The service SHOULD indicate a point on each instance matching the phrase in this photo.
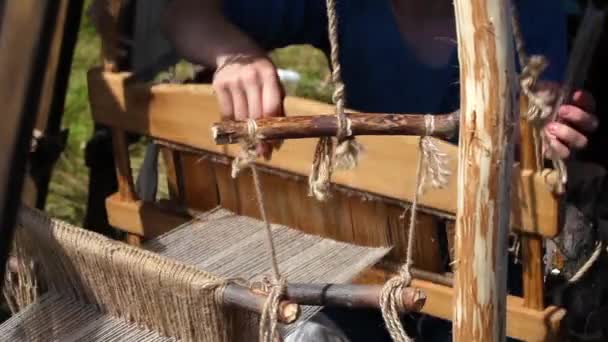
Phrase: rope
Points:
(540, 106)
(431, 168)
(269, 319)
(347, 151)
(599, 248)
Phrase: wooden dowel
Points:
(351, 296)
(435, 278)
(243, 297)
(298, 127)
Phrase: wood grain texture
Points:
(386, 168)
(531, 245)
(487, 75)
(300, 127)
(141, 218)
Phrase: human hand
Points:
(248, 87)
(577, 120)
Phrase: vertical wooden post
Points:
(106, 15)
(485, 51)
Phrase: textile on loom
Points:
(104, 290)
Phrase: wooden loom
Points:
(182, 115)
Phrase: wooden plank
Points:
(522, 323)
(141, 218)
(151, 110)
(24, 48)
(486, 152)
(344, 218)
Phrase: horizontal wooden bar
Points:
(141, 218)
(351, 296)
(522, 323)
(184, 113)
(300, 127)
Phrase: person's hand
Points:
(249, 87)
(577, 120)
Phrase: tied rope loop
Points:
(248, 152)
(432, 168)
(269, 319)
(540, 104)
(346, 154)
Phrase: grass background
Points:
(68, 189)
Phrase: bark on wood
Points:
(351, 296)
(486, 57)
(298, 127)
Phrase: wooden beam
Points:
(151, 110)
(141, 218)
(531, 245)
(300, 127)
(522, 323)
(24, 48)
(352, 296)
(487, 97)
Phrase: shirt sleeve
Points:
(278, 23)
(543, 25)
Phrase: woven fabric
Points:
(103, 290)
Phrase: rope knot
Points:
(269, 319)
(248, 152)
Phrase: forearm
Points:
(201, 34)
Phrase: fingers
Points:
(566, 136)
(584, 100)
(558, 149)
(579, 118)
(272, 95)
(249, 89)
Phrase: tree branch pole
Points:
(298, 127)
(331, 295)
(488, 105)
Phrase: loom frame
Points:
(130, 106)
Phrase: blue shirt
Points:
(380, 72)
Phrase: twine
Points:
(347, 151)
(269, 319)
(431, 167)
(540, 105)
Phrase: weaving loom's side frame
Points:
(23, 60)
(150, 110)
(487, 104)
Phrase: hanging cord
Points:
(432, 168)
(269, 331)
(346, 154)
(540, 106)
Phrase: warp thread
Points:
(269, 331)
(432, 169)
